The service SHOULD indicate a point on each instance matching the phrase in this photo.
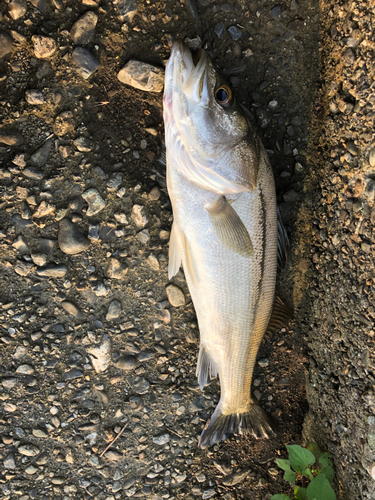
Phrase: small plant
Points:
(310, 467)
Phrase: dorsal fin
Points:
(282, 242)
(280, 317)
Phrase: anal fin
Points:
(280, 317)
(175, 250)
(206, 368)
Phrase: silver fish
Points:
(224, 233)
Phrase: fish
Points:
(225, 234)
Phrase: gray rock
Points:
(40, 5)
(153, 262)
(82, 31)
(84, 62)
(235, 32)
(219, 29)
(72, 309)
(83, 144)
(115, 269)
(64, 124)
(40, 156)
(9, 382)
(115, 181)
(95, 201)
(162, 439)
(33, 173)
(11, 138)
(175, 296)
(39, 259)
(29, 450)
(276, 12)
(114, 310)
(23, 268)
(20, 222)
(52, 270)
(113, 455)
(25, 369)
(73, 374)
(20, 244)
(6, 43)
(34, 97)
(142, 76)
(70, 239)
(225, 7)
(235, 478)
(348, 57)
(129, 483)
(145, 355)
(17, 9)
(9, 461)
(352, 148)
(138, 216)
(208, 494)
(139, 385)
(44, 47)
(263, 362)
(143, 236)
(126, 9)
(126, 362)
(290, 196)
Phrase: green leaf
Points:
(307, 472)
(299, 457)
(320, 489)
(315, 450)
(289, 475)
(280, 497)
(300, 493)
(326, 466)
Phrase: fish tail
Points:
(253, 422)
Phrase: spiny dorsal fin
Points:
(229, 228)
(282, 242)
(280, 317)
(206, 368)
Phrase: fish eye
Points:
(224, 95)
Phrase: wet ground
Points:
(91, 348)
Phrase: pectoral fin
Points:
(229, 228)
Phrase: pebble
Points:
(143, 236)
(138, 216)
(9, 382)
(126, 362)
(33, 173)
(142, 76)
(94, 200)
(127, 9)
(263, 362)
(20, 245)
(44, 47)
(64, 124)
(113, 456)
(114, 310)
(9, 461)
(154, 194)
(276, 12)
(43, 210)
(114, 182)
(28, 450)
(115, 269)
(162, 439)
(235, 32)
(23, 268)
(219, 29)
(139, 385)
(82, 31)
(39, 259)
(73, 374)
(153, 262)
(72, 309)
(71, 240)
(11, 138)
(34, 97)
(352, 148)
(53, 270)
(100, 356)
(208, 494)
(164, 235)
(17, 9)
(235, 478)
(84, 63)
(6, 43)
(175, 296)
(40, 156)
(372, 158)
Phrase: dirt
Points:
(72, 416)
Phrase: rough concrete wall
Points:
(335, 271)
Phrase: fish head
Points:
(201, 111)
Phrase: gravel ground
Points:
(95, 343)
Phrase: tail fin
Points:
(254, 422)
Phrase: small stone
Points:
(64, 124)
(235, 478)
(11, 138)
(154, 194)
(348, 57)
(115, 269)
(82, 31)
(139, 385)
(115, 181)
(84, 63)
(126, 362)
(352, 148)
(290, 196)
(43, 210)
(19, 160)
(33, 173)
(263, 362)
(95, 201)
(29, 450)
(100, 356)
(138, 216)
(162, 439)
(71, 240)
(40, 156)
(113, 456)
(53, 271)
(9, 382)
(143, 236)
(65, 151)
(175, 296)
(194, 44)
(39, 259)
(34, 97)
(219, 29)
(73, 374)
(276, 12)
(126, 9)
(72, 309)
(6, 43)
(142, 76)
(208, 494)
(235, 32)
(23, 268)
(44, 47)
(83, 144)
(153, 262)
(164, 235)
(366, 247)
(372, 158)
(17, 9)
(114, 310)
(9, 461)
(39, 433)
(20, 245)
(121, 218)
